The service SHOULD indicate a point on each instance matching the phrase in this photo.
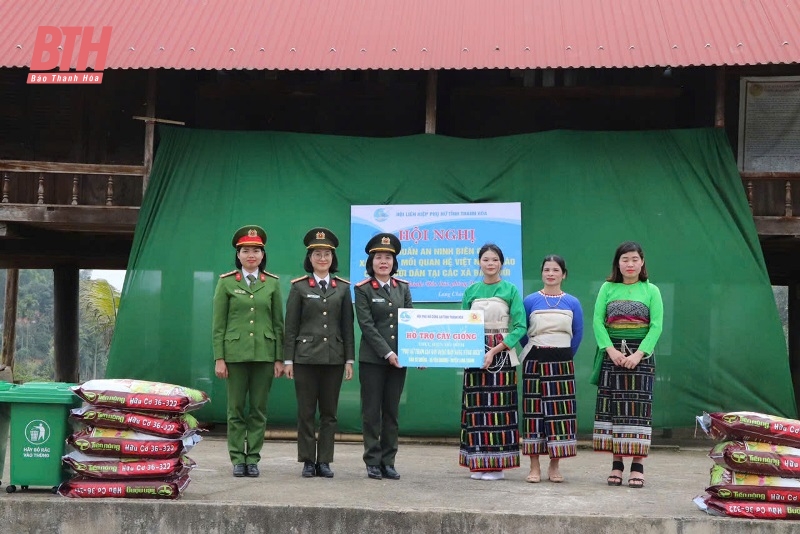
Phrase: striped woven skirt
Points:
(489, 420)
(623, 415)
(549, 423)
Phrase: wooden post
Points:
(719, 111)
(6, 187)
(110, 191)
(10, 317)
(40, 190)
(430, 102)
(65, 333)
(75, 187)
(149, 129)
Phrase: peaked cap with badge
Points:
(249, 236)
(320, 237)
(383, 242)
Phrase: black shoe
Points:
(373, 471)
(388, 471)
(252, 470)
(238, 470)
(324, 470)
(309, 470)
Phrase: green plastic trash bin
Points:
(4, 421)
(39, 413)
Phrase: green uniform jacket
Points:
(377, 316)
(319, 326)
(247, 322)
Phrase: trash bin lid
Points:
(39, 393)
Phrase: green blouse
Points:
(628, 320)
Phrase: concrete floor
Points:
(434, 495)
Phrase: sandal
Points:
(533, 478)
(634, 481)
(557, 478)
(614, 480)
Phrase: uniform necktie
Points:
(251, 280)
(387, 288)
(323, 285)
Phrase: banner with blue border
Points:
(440, 338)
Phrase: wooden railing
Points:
(750, 179)
(43, 169)
(772, 201)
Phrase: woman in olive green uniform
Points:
(248, 345)
(319, 348)
(382, 379)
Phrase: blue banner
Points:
(440, 338)
(440, 243)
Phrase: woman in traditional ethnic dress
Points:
(555, 330)
(489, 420)
(628, 318)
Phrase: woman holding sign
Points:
(382, 378)
(489, 421)
(555, 330)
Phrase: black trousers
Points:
(316, 386)
(381, 388)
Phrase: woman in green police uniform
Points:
(319, 348)
(248, 345)
(381, 376)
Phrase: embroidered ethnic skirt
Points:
(489, 420)
(623, 415)
(549, 422)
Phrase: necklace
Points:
(545, 295)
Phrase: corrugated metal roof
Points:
(416, 34)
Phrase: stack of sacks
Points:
(135, 440)
(757, 468)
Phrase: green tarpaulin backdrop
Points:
(582, 193)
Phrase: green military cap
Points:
(384, 242)
(249, 236)
(320, 237)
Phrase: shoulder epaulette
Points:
(229, 274)
(342, 279)
(364, 281)
(401, 280)
(299, 278)
(275, 276)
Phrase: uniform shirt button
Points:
(251, 322)
(391, 315)
(251, 296)
(391, 326)
(251, 334)
(324, 300)
(390, 304)
(304, 341)
(324, 313)
(324, 339)
(392, 337)
(324, 326)
(252, 309)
